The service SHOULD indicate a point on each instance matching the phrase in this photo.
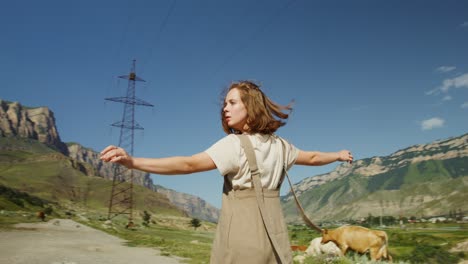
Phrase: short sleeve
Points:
(225, 154)
(291, 153)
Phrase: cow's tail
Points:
(383, 251)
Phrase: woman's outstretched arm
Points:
(316, 158)
(166, 166)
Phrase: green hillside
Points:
(415, 173)
(28, 166)
(425, 188)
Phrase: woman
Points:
(251, 228)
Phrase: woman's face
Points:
(235, 113)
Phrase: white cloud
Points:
(447, 98)
(432, 123)
(433, 91)
(464, 105)
(457, 82)
(464, 24)
(446, 69)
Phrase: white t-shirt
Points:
(230, 159)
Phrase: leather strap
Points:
(249, 153)
(301, 210)
(298, 204)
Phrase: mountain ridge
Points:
(18, 121)
(400, 183)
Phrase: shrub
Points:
(423, 253)
(17, 201)
(19, 198)
(195, 223)
(146, 218)
(48, 210)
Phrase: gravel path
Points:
(63, 241)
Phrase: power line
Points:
(255, 34)
(120, 45)
(158, 35)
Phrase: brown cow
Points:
(359, 239)
(41, 215)
(298, 248)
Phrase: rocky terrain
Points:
(438, 150)
(39, 124)
(193, 205)
(35, 123)
(105, 170)
(425, 179)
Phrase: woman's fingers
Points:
(116, 159)
(116, 155)
(110, 153)
(107, 149)
(346, 155)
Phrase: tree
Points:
(460, 214)
(146, 218)
(195, 223)
(389, 220)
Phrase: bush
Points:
(48, 210)
(19, 198)
(17, 201)
(195, 223)
(423, 253)
(146, 218)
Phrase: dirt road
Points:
(63, 241)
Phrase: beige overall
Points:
(251, 228)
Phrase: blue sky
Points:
(369, 76)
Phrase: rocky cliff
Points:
(194, 206)
(191, 204)
(35, 123)
(39, 124)
(105, 170)
(438, 150)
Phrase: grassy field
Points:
(428, 243)
(416, 243)
(172, 235)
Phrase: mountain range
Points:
(25, 129)
(421, 180)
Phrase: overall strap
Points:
(252, 161)
(299, 206)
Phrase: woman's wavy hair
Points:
(261, 110)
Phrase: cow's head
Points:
(325, 236)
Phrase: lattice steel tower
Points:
(121, 199)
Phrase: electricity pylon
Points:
(121, 199)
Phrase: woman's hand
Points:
(117, 155)
(345, 155)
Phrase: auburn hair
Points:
(263, 115)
